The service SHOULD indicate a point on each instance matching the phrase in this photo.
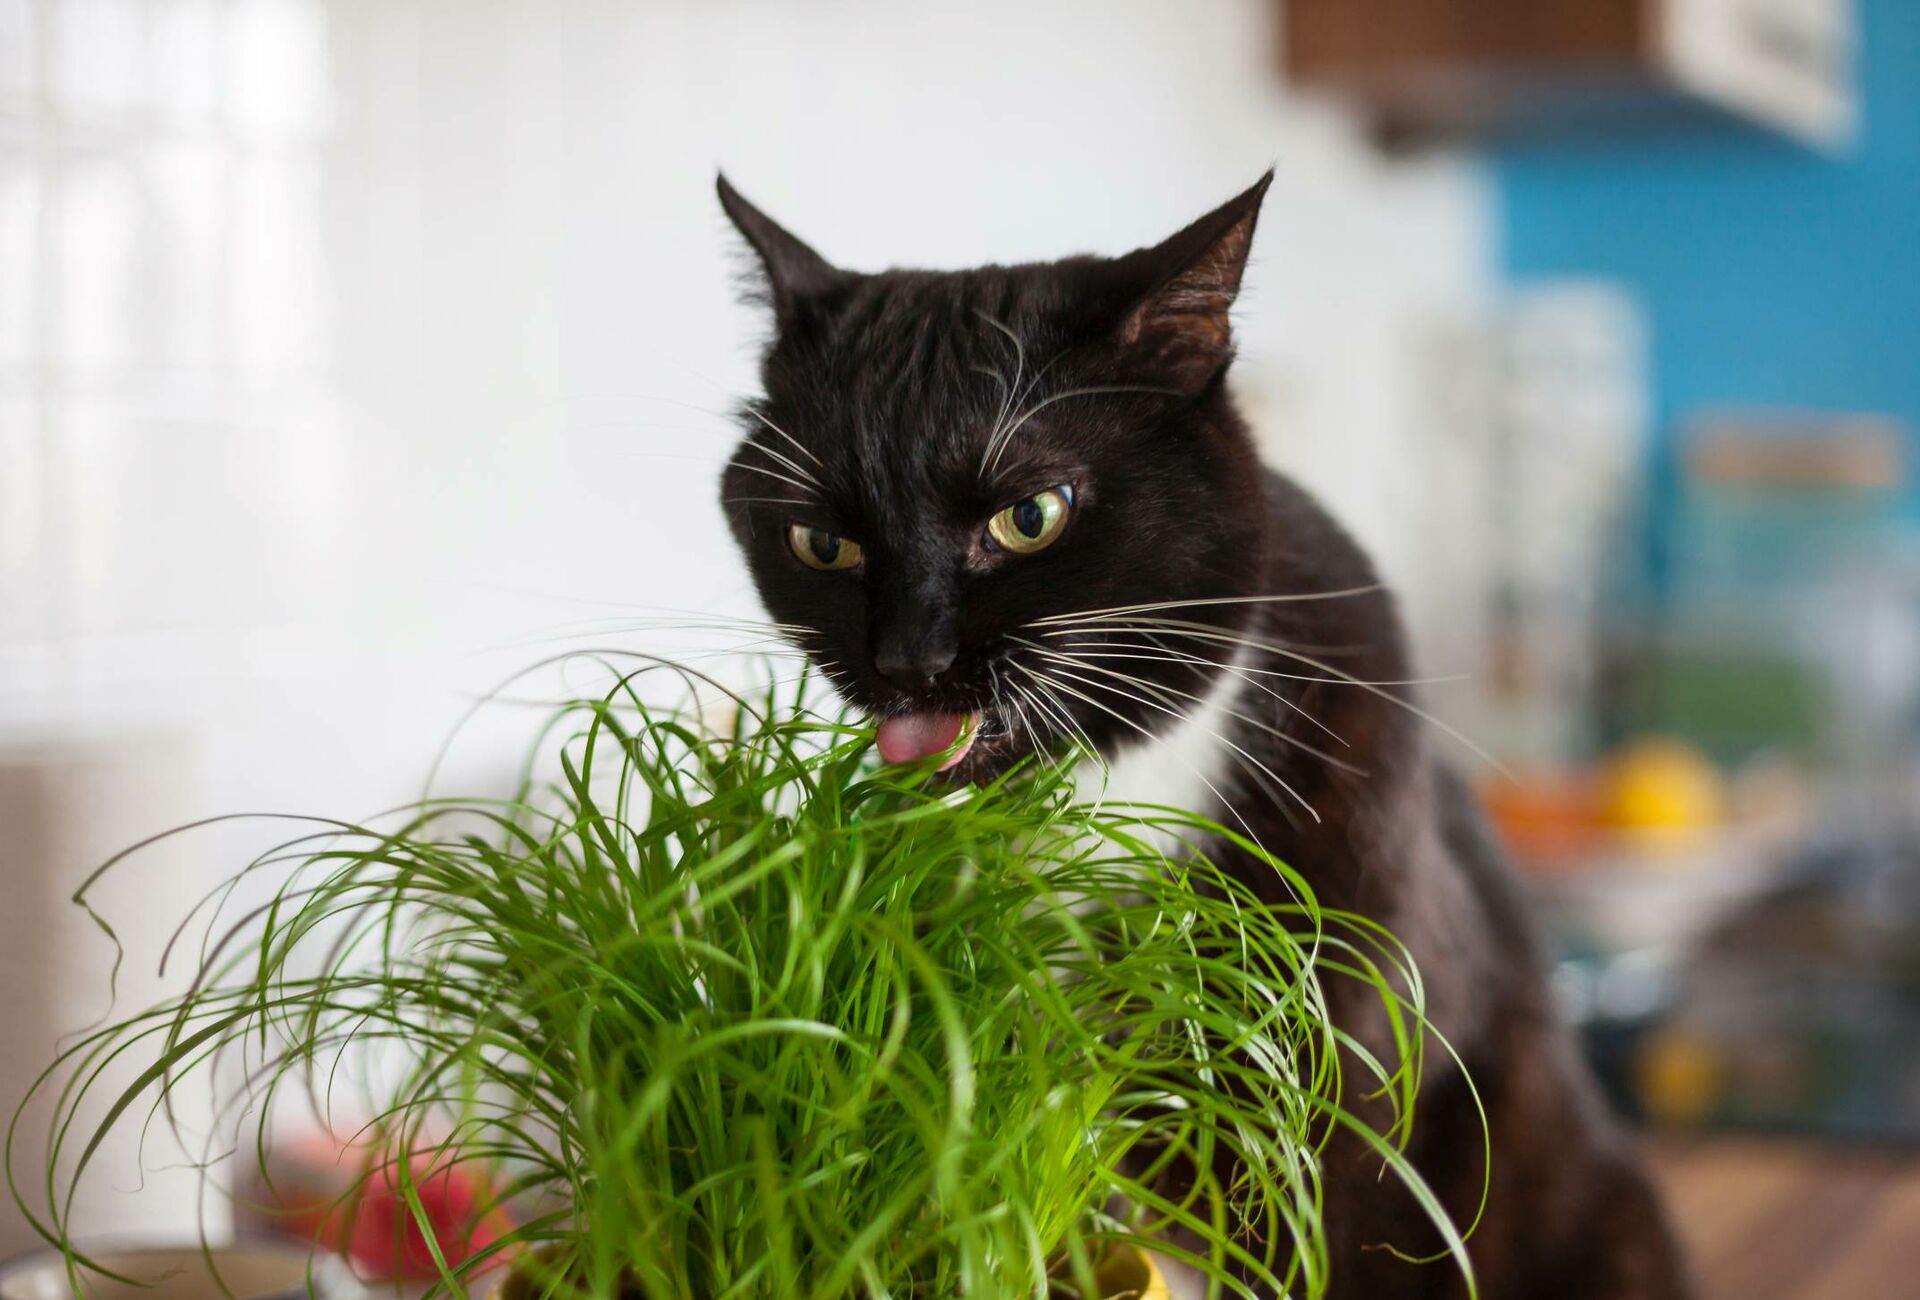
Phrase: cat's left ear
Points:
(1178, 331)
(794, 271)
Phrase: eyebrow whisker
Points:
(998, 446)
(802, 447)
(788, 461)
(784, 478)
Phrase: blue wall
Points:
(1769, 274)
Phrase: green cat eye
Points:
(1032, 525)
(819, 549)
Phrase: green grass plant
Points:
(724, 1008)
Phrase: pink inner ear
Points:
(1183, 328)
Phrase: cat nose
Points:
(915, 668)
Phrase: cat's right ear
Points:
(1178, 329)
(793, 271)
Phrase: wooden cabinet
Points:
(1424, 68)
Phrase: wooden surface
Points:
(1338, 38)
(1768, 1220)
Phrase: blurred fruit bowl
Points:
(1625, 898)
(1651, 847)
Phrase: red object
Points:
(386, 1241)
(333, 1196)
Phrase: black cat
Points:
(1017, 504)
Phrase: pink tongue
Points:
(910, 737)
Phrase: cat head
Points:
(955, 477)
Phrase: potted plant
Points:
(730, 1010)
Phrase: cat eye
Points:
(819, 549)
(1032, 525)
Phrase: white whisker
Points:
(1159, 688)
(802, 447)
(1086, 615)
(788, 461)
(1049, 684)
(1206, 632)
(1251, 676)
(1007, 397)
(1022, 703)
(999, 443)
(1069, 730)
(788, 479)
(768, 501)
(1175, 712)
(1071, 727)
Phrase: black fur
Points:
(884, 395)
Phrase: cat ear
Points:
(1178, 330)
(793, 271)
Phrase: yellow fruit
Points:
(1663, 789)
(1679, 1076)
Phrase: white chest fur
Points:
(1185, 766)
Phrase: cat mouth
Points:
(911, 737)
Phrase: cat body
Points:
(1013, 510)
(1399, 838)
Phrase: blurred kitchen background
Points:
(353, 351)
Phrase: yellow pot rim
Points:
(1157, 1288)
